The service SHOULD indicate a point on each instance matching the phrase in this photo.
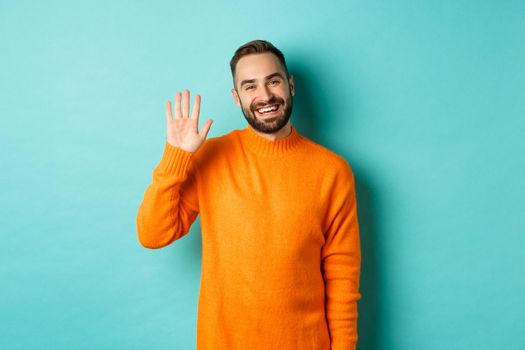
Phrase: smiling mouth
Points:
(268, 110)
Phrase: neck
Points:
(279, 134)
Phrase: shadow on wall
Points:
(308, 118)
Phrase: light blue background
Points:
(425, 99)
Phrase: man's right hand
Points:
(182, 130)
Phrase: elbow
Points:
(152, 240)
(157, 236)
(149, 243)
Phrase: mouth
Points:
(269, 111)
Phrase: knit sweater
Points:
(280, 239)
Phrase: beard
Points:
(269, 125)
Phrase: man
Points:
(280, 237)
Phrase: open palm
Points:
(182, 129)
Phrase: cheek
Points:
(284, 91)
(247, 106)
(249, 103)
(242, 101)
(284, 95)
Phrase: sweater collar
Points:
(261, 145)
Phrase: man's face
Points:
(263, 92)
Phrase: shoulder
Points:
(330, 161)
(213, 148)
(217, 141)
(337, 178)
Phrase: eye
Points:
(249, 87)
(274, 82)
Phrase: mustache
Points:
(273, 100)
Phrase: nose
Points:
(265, 93)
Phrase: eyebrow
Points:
(268, 77)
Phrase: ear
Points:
(292, 84)
(236, 97)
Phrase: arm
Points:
(170, 203)
(341, 264)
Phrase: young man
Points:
(280, 236)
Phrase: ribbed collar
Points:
(261, 145)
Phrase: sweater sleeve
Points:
(341, 263)
(170, 203)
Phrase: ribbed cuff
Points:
(175, 161)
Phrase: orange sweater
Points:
(280, 239)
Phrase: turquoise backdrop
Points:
(425, 99)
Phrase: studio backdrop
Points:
(424, 99)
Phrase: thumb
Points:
(206, 128)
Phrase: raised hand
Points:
(182, 130)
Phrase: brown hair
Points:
(256, 46)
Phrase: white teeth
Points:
(267, 109)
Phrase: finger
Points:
(168, 111)
(177, 106)
(186, 104)
(196, 108)
(206, 128)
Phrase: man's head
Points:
(261, 79)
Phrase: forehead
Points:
(258, 66)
